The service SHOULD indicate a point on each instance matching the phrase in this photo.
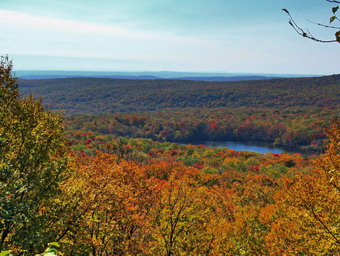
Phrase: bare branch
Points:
(323, 25)
(305, 32)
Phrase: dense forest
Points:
(103, 95)
(292, 127)
(285, 112)
(119, 166)
(94, 188)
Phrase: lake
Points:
(259, 147)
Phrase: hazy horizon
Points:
(160, 73)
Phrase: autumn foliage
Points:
(95, 193)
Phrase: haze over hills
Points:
(195, 76)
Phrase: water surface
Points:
(259, 147)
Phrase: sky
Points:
(239, 36)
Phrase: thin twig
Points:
(304, 33)
(323, 25)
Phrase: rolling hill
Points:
(105, 95)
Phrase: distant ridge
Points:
(37, 77)
(149, 75)
(225, 79)
(106, 95)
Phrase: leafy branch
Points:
(306, 33)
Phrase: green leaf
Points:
(332, 19)
(335, 9)
(337, 36)
(50, 251)
(5, 253)
(54, 244)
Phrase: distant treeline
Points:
(102, 95)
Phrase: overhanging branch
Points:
(307, 34)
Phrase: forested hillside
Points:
(286, 112)
(98, 162)
(89, 190)
(292, 127)
(99, 95)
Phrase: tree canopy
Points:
(32, 163)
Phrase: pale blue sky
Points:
(247, 36)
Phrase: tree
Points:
(182, 218)
(32, 164)
(305, 217)
(107, 208)
(330, 161)
(306, 33)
